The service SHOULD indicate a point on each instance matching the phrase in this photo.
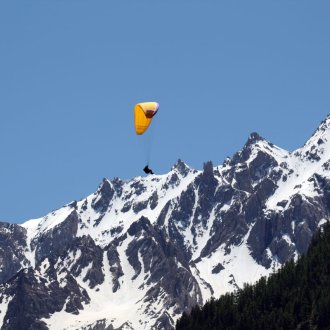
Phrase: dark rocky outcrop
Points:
(103, 197)
(12, 248)
(57, 240)
(35, 297)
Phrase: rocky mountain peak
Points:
(105, 186)
(181, 167)
(318, 146)
(321, 134)
(254, 145)
(253, 138)
(208, 169)
(325, 124)
(103, 197)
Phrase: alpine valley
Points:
(136, 254)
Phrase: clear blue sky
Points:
(71, 72)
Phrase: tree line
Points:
(297, 296)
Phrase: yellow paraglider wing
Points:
(143, 114)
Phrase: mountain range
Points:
(136, 254)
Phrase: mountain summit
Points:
(136, 254)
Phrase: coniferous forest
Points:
(295, 297)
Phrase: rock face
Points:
(12, 248)
(136, 254)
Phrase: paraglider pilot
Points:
(147, 170)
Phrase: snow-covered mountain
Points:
(136, 254)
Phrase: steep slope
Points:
(138, 253)
(295, 297)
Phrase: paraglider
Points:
(147, 170)
(143, 114)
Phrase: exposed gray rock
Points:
(12, 247)
(115, 266)
(91, 256)
(182, 168)
(35, 298)
(217, 269)
(57, 240)
(103, 197)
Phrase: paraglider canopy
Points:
(143, 114)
